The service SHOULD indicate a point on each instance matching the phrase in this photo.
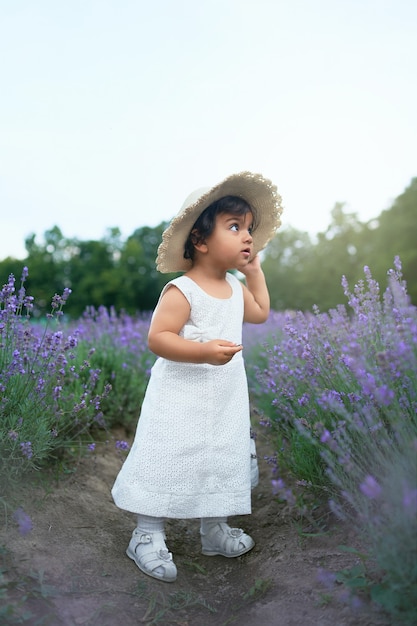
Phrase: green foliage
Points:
(397, 597)
(100, 273)
(303, 460)
(395, 233)
(141, 282)
(302, 273)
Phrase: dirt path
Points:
(74, 571)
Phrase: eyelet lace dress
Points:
(191, 453)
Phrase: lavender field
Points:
(335, 393)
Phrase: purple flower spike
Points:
(371, 488)
(326, 436)
(410, 500)
(26, 449)
(23, 521)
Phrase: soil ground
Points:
(71, 569)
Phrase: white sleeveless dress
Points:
(191, 453)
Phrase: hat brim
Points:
(259, 193)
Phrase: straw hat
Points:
(259, 193)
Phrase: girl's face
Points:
(231, 244)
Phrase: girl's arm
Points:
(255, 293)
(168, 319)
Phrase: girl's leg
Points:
(218, 538)
(148, 524)
(148, 549)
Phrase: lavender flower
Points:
(326, 578)
(371, 488)
(26, 449)
(122, 445)
(278, 486)
(410, 500)
(23, 521)
(326, 436)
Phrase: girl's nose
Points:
(248, 235)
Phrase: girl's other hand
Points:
(219, 351)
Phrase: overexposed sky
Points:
(113, 111)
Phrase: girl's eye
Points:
(234, 227)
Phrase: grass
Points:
(258, 589)
(24, 599)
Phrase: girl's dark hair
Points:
(204, 225)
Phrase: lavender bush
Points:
(117, 346)
(340, 393)
(43, 405)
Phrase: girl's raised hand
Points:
(252, 267)
(219, 351)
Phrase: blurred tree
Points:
(11, 266)
(336, 254)
(285, 260)
(91, 274)
(46, 267)
(301, 273)
(395, 233)
(141, 281)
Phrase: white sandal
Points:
(226, 541)
(152, 560)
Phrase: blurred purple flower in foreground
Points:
(23, 521)
(370, 488)
(326, 578)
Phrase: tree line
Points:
(301, 270)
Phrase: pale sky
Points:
(113, 111)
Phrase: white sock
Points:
(152, 526)
(148, 524)
(207, 523)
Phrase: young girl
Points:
(191, 453)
